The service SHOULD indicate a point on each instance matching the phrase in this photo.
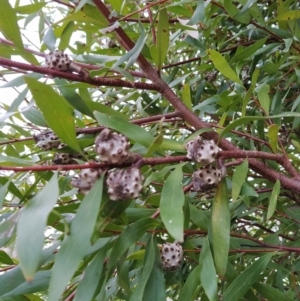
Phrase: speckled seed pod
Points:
(86, 179)
(124, 184)
(206, 178)
(65, 158)
(171, 256)
(202, 151)
(46, 140)
(58, 60)
(112, 147)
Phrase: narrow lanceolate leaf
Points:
(171, 203)
(138, 293)
(290, 15)
(248, 51)
(8, 24)
(186, 96)
(220, 227)
(271, 293)
(132, 131)
(162, 41)
(238, 179)
(14, 278)
(190, 286)
(132, 55)
(273, 199)
(3, 191)
(199, 14)
(242, 283)
(221, 65)
(10, 29)
(264, 98)
(91, 276)
(75, 246)
(273, 136)
(56, 110)
(155, 288)
(31, 227)
(247, 119)
(208, 272)
(129, 236)
(38, 284)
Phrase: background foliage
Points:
(160, 71)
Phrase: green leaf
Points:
(10, 29)
(171, 204)
(75, 246)
(112, 210)
(155, 288)
(8, 160)
(14, 277)
(132, 131)
(129, 236)
(3, 191)
(132, 55)
(244, 281)
(248, 51)
(220, 227)
(49, 39)
(72, 97)
(273, 199)
(5, 259)
(221, 65)
(162, 39)
(56, 110)
(190, 286)
(290, 15)
(29, 9)
(186, 96)
(248, 119)
(30, 229)
(199, 14)
(35, 116)
(273, 131)
(98, 107)
(7, 228)
(66, 36)
(271, 293)
(38, 284)
(264, 98)
(198, 217)
(138, 293)
(91, 276)
(208, 272)
(238, 179)
(233, 12)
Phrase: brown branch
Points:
(146, 161)
(97, 81)
(281, 159)
(83, 65)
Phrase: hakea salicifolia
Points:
(202, 151)
(46, 140)
(60, 61)
(112, 147)
(66, 158)
(207, 177)
(205, 152)
(171, 255)
(122, 184)
(86, 179)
